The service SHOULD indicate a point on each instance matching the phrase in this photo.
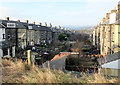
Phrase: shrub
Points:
(27, 67)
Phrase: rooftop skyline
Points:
(60, 12)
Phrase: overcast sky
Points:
(57, 12)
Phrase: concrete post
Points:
(1, 53)
(28, 55)
(8, 52)
(33, 60)
(13, 51)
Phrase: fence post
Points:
(105, 66)
(28, 55)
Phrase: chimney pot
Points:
(65, 28)
(113, 11)
(50, 25)
(26, 21)
(40, 24)
(55, 27)
(33, 22)
(18, 20)
(59, 27)
(103, 20)
(7, 18)
(45, 24)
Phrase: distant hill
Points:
(78, 27)
(81, 29)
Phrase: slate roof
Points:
(117, 22)
(68, 31)
(55, 29)
(0, 26)
(110, 58)
(33, 26)
(25, 24)
(43, 28)
(18, 24)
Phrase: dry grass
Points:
(16, 72)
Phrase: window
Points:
(30, 27)
(9, 37)
(112, 52)
(5, 52)
(19, 35)
(28, 36)
(19, 44)
(3, 36)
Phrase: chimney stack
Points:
(40, 24)
(103, 20)
(33, 22)
(55, 27)
(59, 27)
(50, 25)
(114, 11)
(107, 16)
(63, 28)
(45, 24)
(26, 21)
(7, 18)
(18, 20)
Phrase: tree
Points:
(77, 47)
(62, 37)
(68, 35)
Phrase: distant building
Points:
(21, 36)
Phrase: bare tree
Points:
(77, 47)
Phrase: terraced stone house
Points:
(45, 35)
(30, 34)
(107, 33)
(8, 38)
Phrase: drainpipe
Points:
(16, 32)
(8, 52)
(27, 34)
(110, 39)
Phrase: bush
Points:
(15, 73)
(62, 37)
(28, 67)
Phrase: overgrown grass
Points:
(19, 72)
